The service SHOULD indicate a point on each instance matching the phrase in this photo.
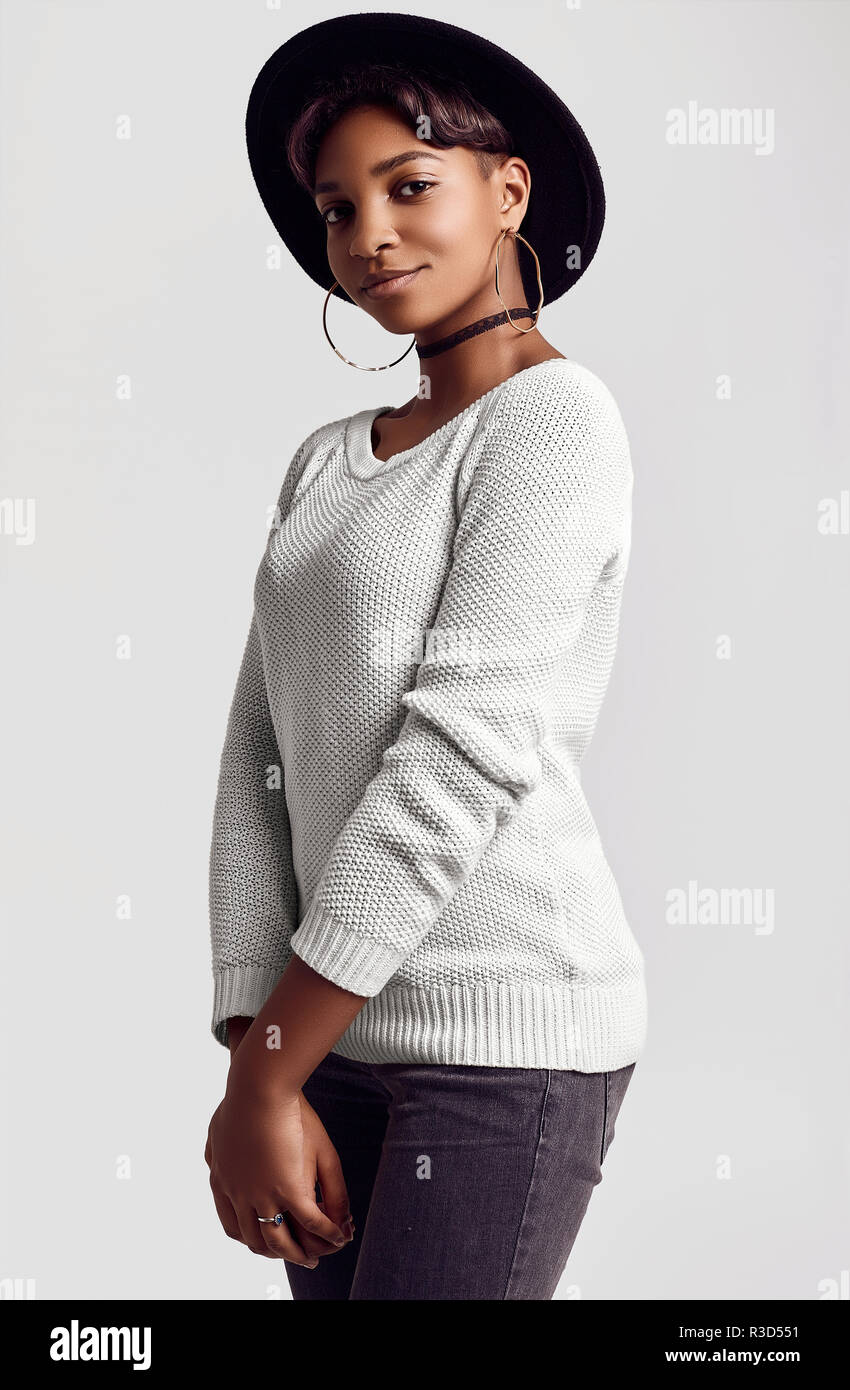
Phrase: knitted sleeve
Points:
(547, 509)
(252, 893)
(253, 896)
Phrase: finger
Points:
(318, 1240)
(275, 1242)
(312, 1245)
(226, 1215)
(335, 1201)
(308, 1240)
(308, 1213)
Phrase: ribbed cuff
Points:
(241, 989)
(361, 964)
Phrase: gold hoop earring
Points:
(539, 281)
(348, 359)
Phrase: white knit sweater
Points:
(399, 799)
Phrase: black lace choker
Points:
(471, 331)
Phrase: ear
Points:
(513, 182)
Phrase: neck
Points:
(472, 330)
(450, 379)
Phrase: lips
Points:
(393, 284)
(386, 274)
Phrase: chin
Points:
(398, 318)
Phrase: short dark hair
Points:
(455, 116)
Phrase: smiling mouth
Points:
(386, 287)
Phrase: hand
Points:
(260, 1163)
(322, 1161)
(326, 1161)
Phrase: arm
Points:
(236, 1029)
(312, 1014)
(265, 1152)
(252, 888)
(253, 898)
(266, 1149)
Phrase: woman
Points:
(431, 996)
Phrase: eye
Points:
(415, 183)
(419, 185)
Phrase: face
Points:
(391, 201)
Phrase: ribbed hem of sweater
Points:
(500, 1025)
(491, 1025)
(494, 1025)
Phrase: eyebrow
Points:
(383, 167)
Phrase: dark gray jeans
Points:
(465, 1182)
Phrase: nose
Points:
(371, 231)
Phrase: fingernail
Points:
(348, 1227)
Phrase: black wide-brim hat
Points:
(566, 208)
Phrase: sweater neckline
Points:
(361, 462)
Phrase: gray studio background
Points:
(159, 371)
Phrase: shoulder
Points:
(558, 424)
(320, 440)
(311, 452)
(554, 399)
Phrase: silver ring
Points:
(278, 1219)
